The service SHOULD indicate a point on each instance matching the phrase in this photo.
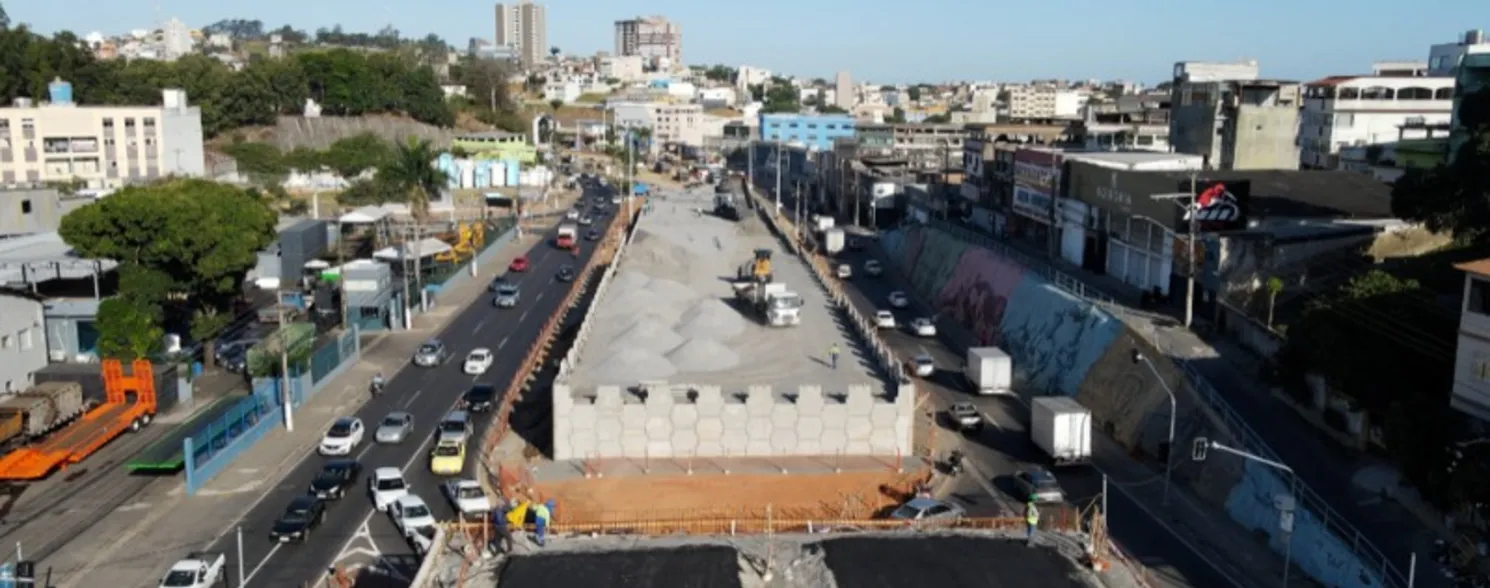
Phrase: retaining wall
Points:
(1065, 345)
(292, 132)
(704, 421)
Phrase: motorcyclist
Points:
(378, 382)
(954, 461)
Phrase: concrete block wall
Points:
(677, 421)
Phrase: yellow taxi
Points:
(448, 458)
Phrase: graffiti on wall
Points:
(1055, 337)
(978, 291)
(1317, 551)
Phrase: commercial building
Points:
(1237, 124)
(1044, 103)
(1444, 58)
(814, 132)
(497, 145)
(1471, 394)
(23, 340)
(1130, 122)
(103, 146)
(1352, 111)
(623, 68)
(924, 146)
(28, 211)
(1471, 77)
(523, 27)
(656, 40)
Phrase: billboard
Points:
(1217, 206)
(883, 194)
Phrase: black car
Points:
(301, 516)
(856, 244)
(480, 397)
(335, 477)
(234, 360)
(566, 273)
(593, 235)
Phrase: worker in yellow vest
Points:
(1031, 520)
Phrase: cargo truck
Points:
(833, 240)
(772, 302)
(989, 371)
(1062, 428)
(40, 410)
(568, 234)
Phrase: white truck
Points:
(989, 371)
(199, 569)
(1062, 427)
(777, 306)
(568, 235)
(822, 222)
(833, 240)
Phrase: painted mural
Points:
(1063, 345)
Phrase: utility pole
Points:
(1187, 203)
(403, 257)
(284, 368)
(778, 175)
(630, 175)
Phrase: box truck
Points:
(833, 240)
(1062, 427)
(990, 371)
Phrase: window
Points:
(129, 122)
(4, 342)
(25, 337)
(1478, 300)
(25, 207)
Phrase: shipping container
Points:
(40, 409)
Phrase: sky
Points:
(892, 42)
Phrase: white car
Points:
(467, 497)
(386, 486)
(478, 361)
(344, 435)
(898, 299)
(845, 271)
(923, 365)
(873, 267)
(572, 215)
(923, 327)
(410, 514)
(884, 319)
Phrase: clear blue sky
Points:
(883, 41)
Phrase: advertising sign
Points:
(1032, 203)
(1218, 205)
(1035, 176)
(883, 194)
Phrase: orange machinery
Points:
(118, 413)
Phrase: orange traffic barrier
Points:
(129, 403)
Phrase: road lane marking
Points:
(522, 316)
(989, 419)
(254, 572)
(413, 397)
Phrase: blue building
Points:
(806, 130)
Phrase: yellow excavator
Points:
(758, 269)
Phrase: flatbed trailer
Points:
(166, 455)
(129, 404)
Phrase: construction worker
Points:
(833, 356)
(1031, 520)
(540, 522)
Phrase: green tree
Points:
(205, 236)
(353, 155)
(720, 73)
(938, 119)
(831, 109)
(1454, 196)
(914, 93)
(371, 191)
(896, 116)
(782, 97)
(128, 329)
(413, 172)
(554, 105)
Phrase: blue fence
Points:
(215, 445)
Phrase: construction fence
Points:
(211, 448)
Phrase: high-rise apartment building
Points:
(843, 91)
(524, 28)
(656, 40)
(1224, 113)
(1044, 103)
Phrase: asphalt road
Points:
(427, 393)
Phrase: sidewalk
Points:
(1335, 473)
(131, 546)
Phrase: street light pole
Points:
(1285, 510)
(1139, 357)
(1193, 231)
(778, 175)
(284, 369)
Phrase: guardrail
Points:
(1336, 523)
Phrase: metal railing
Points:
(1336, 523)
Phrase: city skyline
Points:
(968, 48)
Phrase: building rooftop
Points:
(669, 314)
(1130, 158)
(45, 256)
(1478, 267)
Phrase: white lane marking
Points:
(524, 315)
(990, 420)
(503, 342)
(481, 323)
(540, 297)
(412, 397)
(365, 449)
(268, 556)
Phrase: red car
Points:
(519, 265)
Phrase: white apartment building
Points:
(658, 41)
(626, 68)
(105, 146)
(747, 76)
(1044, 103)
(175, 40)
(524, 28)
(717, 97)
(1097, 136)
(23, 342)
(1345, 111)
(563, 91)
(682, 124)
(843, 90)
(1206, 71)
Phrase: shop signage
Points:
(1035, 176)
(1164, 198)
(1032, 203)
(1218, 205)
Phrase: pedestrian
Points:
(833, 356)
(540, 522)
(501, 541)
(1031, 520)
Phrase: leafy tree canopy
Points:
(202, 234)
(782, 98)
(831, 109)
(720, 73)
(938, 119)
(1454, 196)
(411, 172)
(128, 329)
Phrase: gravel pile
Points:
(656, 326)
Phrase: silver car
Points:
(928, 509)
(1040, 486)
(394, 428)
(431, 353)
(508, 296)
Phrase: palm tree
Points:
(412, 171)
(555, 104)
(554, 53)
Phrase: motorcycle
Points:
(954, 463)
(376, 387)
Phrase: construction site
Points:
(710, 339)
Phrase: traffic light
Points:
(1198, 451)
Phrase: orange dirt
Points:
(849, 495)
